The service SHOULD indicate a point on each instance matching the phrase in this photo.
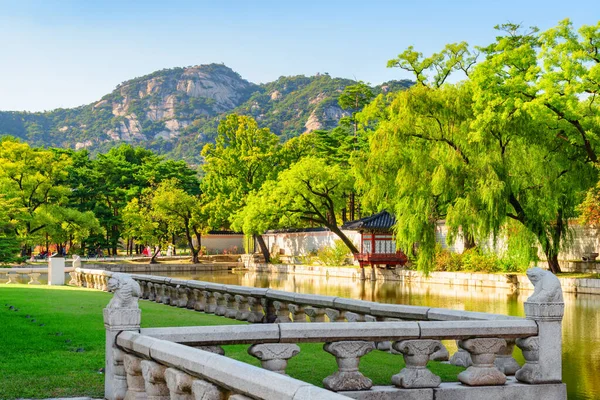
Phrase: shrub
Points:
(335, 255)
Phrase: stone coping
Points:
(375, 309)
(319, 332)
(225, 372)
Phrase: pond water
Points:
(581, 324)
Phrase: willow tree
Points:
(553, 77)
(243, 157)
(485, 150)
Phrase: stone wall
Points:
(500, 281)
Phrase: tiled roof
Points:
(381, 221)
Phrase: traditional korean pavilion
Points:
(378, 245)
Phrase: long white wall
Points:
(302, 243)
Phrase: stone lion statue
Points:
(126, 291)
(546, 286)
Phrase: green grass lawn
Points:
(53, 346)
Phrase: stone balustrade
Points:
(13, 275)
(190, 362)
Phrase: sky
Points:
(68, 53)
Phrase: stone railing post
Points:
(505, 361)
(546, 307)
(347, 355)
(416, 355)
(274, 356)
(121, 314)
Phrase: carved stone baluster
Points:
(210, 301)
(200, 300)
(144, 288)
(505, 361)
(283, 312)
(174, 296)
(256, 310)
(154, 380)
(89, 281)
(348, 355)
(416, 355)
(355, 317)
(165, 297)
(33, 278)
(531, 371)
(315, 314)
(151, 291)
(104, 283)
(274, 356)
(298, 312)
(221, 303)
(335, 315)
(73, 280)
(183, 296)
(158, 293)
(203, 390)
(192, 295)
(243, 308)
(231, 305)
(270, 311)
(179, 384)
(483, 372)
(136, 389)
(461, 358)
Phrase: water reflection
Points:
(581, 324)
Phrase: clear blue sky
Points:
(68, 53)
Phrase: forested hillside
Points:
(177, 111)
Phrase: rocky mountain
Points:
(176, 111)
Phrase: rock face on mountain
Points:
(177, 110)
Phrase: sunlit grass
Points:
(53, 343)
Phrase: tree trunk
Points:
(553, 263)
(335, 229)
(469, 240)
(155, 254)
(263, 248)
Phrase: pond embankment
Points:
(510, 281)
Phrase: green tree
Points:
(309, 193)
(32, 177)
(182, 211)
(243, 157)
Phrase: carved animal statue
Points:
(126, 291)
(546, 286)
(76, 261)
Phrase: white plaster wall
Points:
(302, 243)
(219, 243)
